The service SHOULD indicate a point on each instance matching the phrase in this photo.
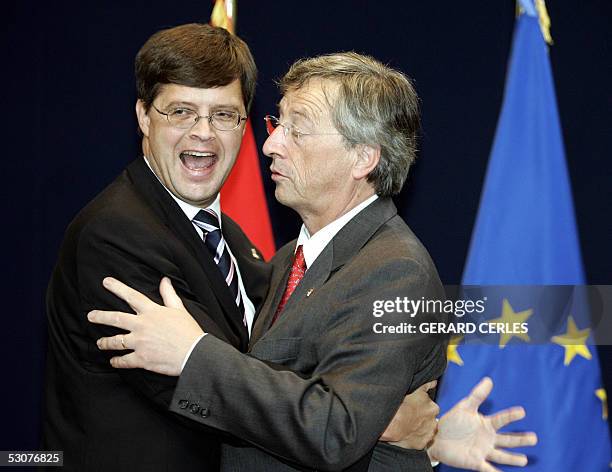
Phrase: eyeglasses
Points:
(273, 122)
(184, 118)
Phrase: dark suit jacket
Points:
(347, 381)
(106, 419)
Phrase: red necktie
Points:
(297, 272)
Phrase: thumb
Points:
(479, 394)
(428, 386)
(168, 294)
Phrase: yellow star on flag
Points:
(601, 394)
(508, 318)
(452, 354)
(574, 342)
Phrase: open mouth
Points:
(198, 161)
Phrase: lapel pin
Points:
(310, 290)
(254, 253)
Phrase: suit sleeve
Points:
(132, 253)
(335, 414)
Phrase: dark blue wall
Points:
(69, 127)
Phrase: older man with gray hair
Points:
(320, 383)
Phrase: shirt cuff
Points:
(191, 350)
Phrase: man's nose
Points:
(274, 142)
(203, 129)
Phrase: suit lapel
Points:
(281, 265)
(171, 214)
(254, 270)
(314, 277)
(358, 231)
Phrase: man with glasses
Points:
(341, 148)
(195, 86)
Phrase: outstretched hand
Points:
(159, 335)
(469, 440)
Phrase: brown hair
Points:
(194, 55)
(375, 105)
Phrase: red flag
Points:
(243, 197)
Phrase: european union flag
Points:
(525, 235)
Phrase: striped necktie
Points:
(208, 221)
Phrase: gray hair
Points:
(375, 105)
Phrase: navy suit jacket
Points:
(111, 419)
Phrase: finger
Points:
(119, 342)
(486, 467)
(516, 439)
(118, 319)
(504, 417)
(168, 294)
(129, 361)
(508, 458)
(135, 299)
(479, 394)
(429, 385)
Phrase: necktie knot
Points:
(299, 262)
(207, 220)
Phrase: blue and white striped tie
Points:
(208, 221)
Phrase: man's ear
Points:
(368, 156)
(144, 120)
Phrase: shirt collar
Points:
(190, 210)
(314, 245)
